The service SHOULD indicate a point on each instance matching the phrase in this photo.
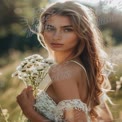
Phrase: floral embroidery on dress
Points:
(46, 106)
(68, 104)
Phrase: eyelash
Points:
(49, 28)
(68, 30)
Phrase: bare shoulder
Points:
(65, 79)
(66, 71)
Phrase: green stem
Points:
(45, 74)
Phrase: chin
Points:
(56, 49)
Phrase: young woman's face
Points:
(59, 34)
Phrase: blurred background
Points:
(17, 42)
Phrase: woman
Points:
(77, 77)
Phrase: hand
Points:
(26, 101)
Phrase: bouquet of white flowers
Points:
(32, 70)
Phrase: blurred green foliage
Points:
(15, 15)
(14, 20)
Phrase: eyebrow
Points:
(65, 26)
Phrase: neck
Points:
(61, 57)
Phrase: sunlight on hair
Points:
(107, 4)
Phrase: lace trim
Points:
(47, 106)
(68, 104)
(46, 95)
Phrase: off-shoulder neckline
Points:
(61, 100)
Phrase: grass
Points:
(11, 87)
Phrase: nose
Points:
(57, 35)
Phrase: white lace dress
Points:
(47, 107)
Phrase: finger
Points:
(24, 91)
(29, 87)
(22, 95)
(30, 93)
(19, 99)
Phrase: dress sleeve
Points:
(69, 104)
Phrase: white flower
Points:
(38, 60)
(44, 65)
(19, 68)
(39, 68)
(25, 76)
(32, 70)
(14, 74)
(33, 60)
(22, 75)
(28, 66)
(27, 58)
(37, 56)
(49, 61)
(35, 72)
(25, 62)
(23, 70)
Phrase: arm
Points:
(66, 89)
(26, 102)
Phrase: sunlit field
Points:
(18, 42)
(11, 87)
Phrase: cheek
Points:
(47, 37)
(71, 39)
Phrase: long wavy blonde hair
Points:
(92, 56)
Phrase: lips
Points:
(56, 44)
